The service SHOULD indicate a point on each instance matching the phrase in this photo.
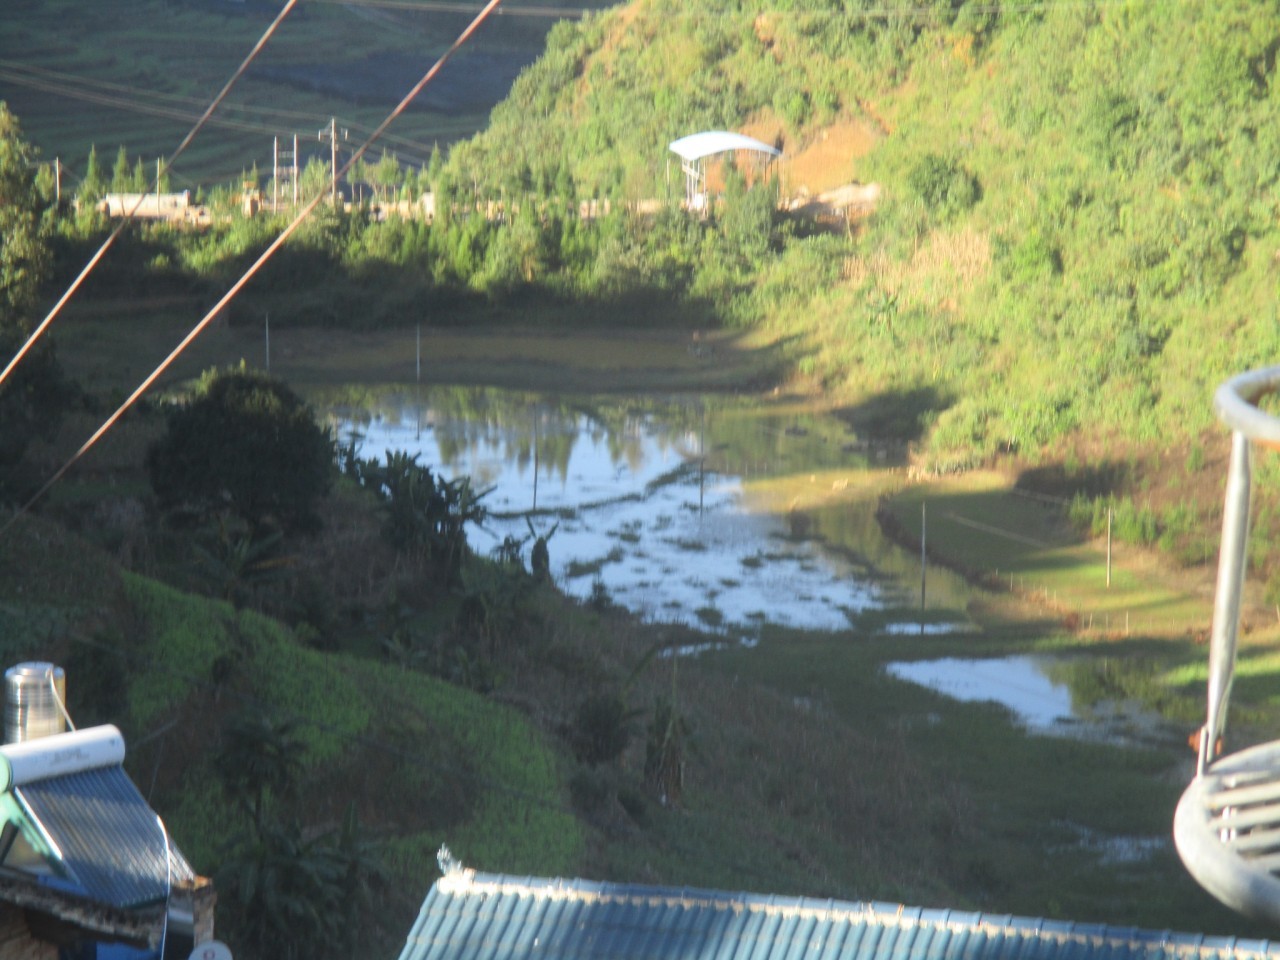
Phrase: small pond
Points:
(648, 503)
(656, 505)
(1036, 692)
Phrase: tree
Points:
(34, 394)
(259, 762)
(92, 186)
(943, 185)
(121, 176)
(245, 444)
(435, 166)
(387, 174)
(357, 173)
(425, 513)
(24, 249)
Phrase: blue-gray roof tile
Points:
(471, 916)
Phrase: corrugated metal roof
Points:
(471, 916)
(110, 843)
(699, 145)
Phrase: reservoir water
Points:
(727, 515)
(658, 504)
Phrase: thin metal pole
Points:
(702, 460)
(419, 351)
(1226, 607)
(267, 327)
(923, 558)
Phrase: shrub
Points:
(246, 444)
(602, 728)
(943, 186)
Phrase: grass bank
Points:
(109, 347)
(1022, 543)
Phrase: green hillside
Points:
(1077, 231)
(217, 704)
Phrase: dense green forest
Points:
(1079, 207)
(1086, 189)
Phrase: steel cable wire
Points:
(155, 185)
(257, 265)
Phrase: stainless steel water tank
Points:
(30, 709)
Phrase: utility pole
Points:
(284, 165)
(332, 136)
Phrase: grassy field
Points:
(109, 347)
(79, 74)
(1013, 541)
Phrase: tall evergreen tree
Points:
(31, 397)
(92, 186)
(121, 175)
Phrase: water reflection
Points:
(1028, 687)
(645, 499)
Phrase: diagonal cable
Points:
(155, 186)
(288, 231)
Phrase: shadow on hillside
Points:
(896, 415)
(1067, 480)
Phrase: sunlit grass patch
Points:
(1026, 547)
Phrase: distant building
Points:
(173, 207)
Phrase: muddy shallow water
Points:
(722, 514)
(1035, 691)
(655, 505)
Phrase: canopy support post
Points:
(1232, 560)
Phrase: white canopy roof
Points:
(699, 145)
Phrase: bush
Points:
(424, 513)
(602, 728)
(943, 186)
(248, 445)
